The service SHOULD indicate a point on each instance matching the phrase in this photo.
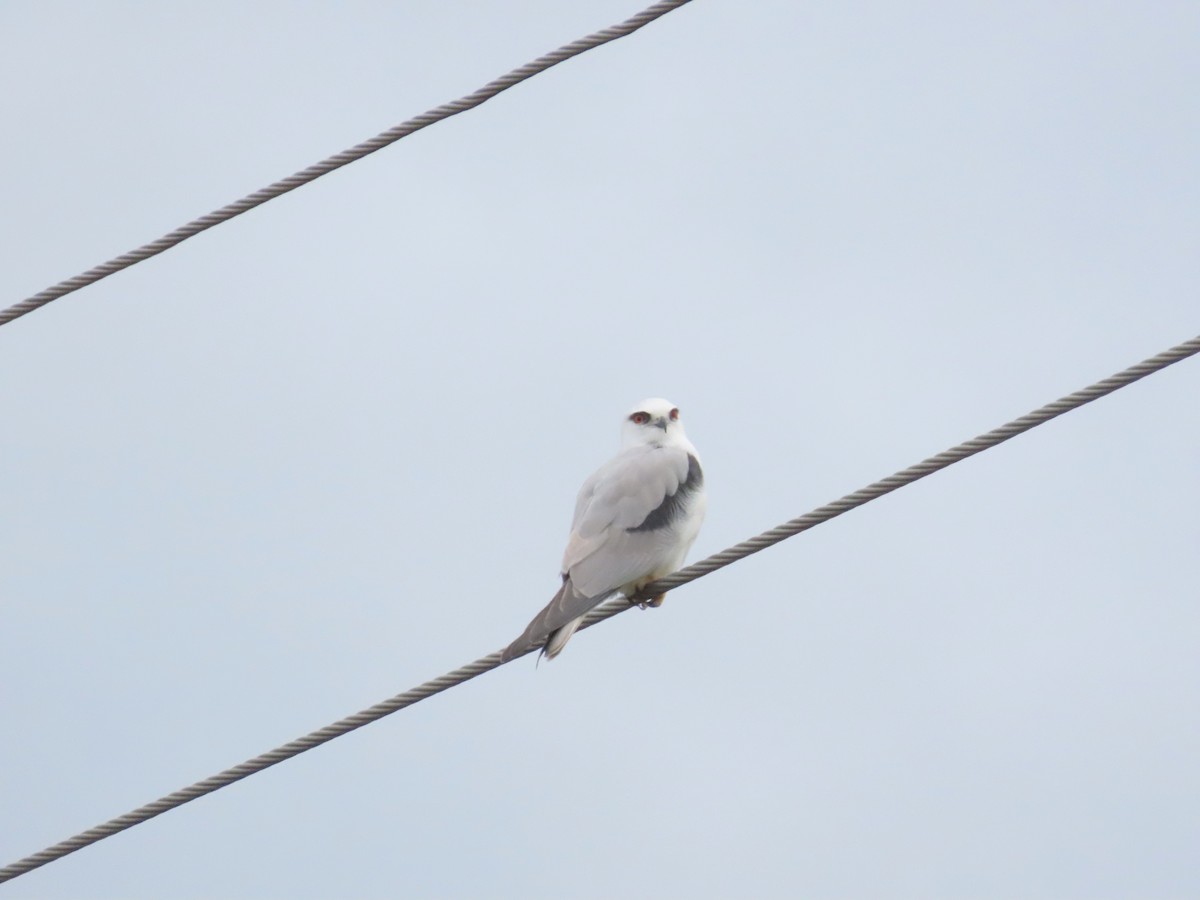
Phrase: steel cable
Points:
(357, 152)
(612, 608)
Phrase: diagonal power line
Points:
(353, 154)
(608, 610)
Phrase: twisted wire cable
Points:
(926, 467)
(612, 608)
(353, 154)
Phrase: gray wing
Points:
(624, 517)
(621, 531)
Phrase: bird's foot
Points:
(648, 602)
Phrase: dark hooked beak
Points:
(660, 423)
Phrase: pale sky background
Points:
(329, 450)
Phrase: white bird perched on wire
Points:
(636, 518)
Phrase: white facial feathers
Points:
(654, 421)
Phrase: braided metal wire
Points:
(612, 608)
(251, 766)
(357, 152)
(925, 467)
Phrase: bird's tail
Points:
(554, 625)
(559, 637)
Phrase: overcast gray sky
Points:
(329, 450)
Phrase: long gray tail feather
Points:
(559, 637)
(554, 625)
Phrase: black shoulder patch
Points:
(668, 512)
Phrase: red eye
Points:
(675, 415)
(639, 418)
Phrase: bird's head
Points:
(654, 421)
